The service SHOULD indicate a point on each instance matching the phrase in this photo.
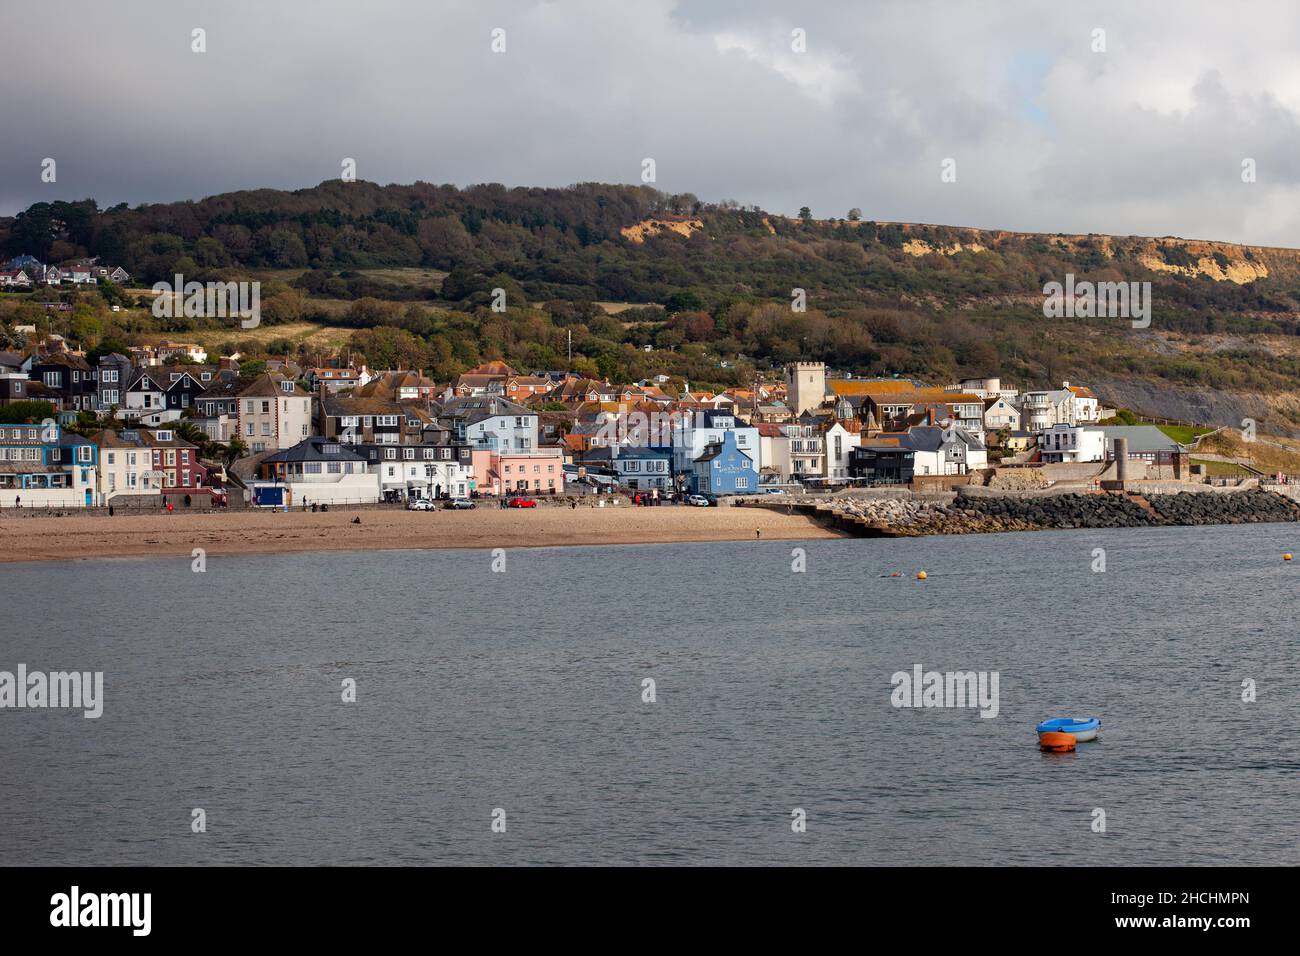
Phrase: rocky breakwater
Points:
(969, 514)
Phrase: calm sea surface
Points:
(523, 691)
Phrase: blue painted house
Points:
(44, 466)
(724, 469)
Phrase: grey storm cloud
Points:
(1147, 137)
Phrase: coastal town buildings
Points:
(42, 466)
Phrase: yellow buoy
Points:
(1286, 557)
(921, 575)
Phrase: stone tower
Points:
(805, 385)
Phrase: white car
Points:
(419, 504)
(698, 501)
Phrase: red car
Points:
(522, 503)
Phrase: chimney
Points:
(929, 415)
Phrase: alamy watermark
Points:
(210, 300)
(1102, 300)
(922, 688)
(75, 690)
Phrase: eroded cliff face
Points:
(679, 225)
(1277, 413)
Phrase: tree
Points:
(234, 449)
(18, 413)
(855, 214)
(805, 213)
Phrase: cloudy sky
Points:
(1147, 137)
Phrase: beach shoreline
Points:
(76, 537)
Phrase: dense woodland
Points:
(716, 305)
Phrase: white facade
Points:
(408, 470)
(690, 440)
(1002, 414)
(838, 444)
(1068, 444)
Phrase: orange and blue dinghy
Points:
(1082, 730)
(1053, 742)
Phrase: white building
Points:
(1068, 444)
(704, 428)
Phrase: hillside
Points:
(714, 281)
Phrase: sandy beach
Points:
(260, 532)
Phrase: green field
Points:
(1184, 434)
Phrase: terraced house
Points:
(41, 466)
(274, 413)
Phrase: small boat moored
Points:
(1056, 743)
(1082, 730)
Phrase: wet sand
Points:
(261, 532)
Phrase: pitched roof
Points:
(315, 448)
(1142, 438)
(270, 384)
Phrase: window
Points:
(335, 468)
(85, 453)
(112, 458)
(311, 468)
(266, 408)
(408, 454)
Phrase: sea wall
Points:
(981, 513)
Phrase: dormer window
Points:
(331, 449)
(164, 436)
(287, 386)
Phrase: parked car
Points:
(522, 503)
(776, 491)
(460, 504)
(419, 504)
(711, 498)
(698, 501)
